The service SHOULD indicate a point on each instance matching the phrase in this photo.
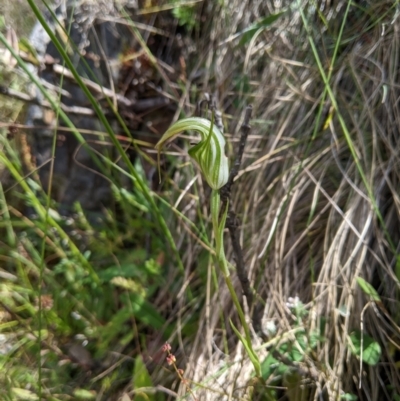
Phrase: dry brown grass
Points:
(309, 227)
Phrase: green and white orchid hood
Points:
(209, 153)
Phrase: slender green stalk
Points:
(320, 110)
(46, 227)
(218, 228)
(40, 209)
(347, 135)
(137, 180)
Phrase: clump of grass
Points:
(69, 281)
(313, 221)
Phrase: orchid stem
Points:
(218, 228)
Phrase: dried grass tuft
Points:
(309, 227)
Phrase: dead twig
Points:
(245, 130)
(232, 221)
(31, 99)
(121, 100)
(137, 106)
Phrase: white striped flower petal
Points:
(209, 153)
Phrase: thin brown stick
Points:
(232, 221)
(245, 130)
(121, 100)
(30, 99)
(58, 69)
(136, 106)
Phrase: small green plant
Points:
(209, 154)
(185, 14)
(289, 350)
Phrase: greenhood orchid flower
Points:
(209, 153)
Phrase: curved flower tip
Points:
(209, 153)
